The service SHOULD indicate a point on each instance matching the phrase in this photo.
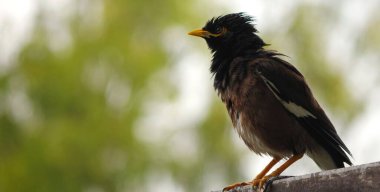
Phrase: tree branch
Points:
(357, 178)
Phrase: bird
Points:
(268, 100)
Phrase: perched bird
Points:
(268, 100)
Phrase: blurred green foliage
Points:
(61, 129)
(310, 42)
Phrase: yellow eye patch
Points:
(207, 34)
(222, 32)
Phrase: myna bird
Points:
(268, 100)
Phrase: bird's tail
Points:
(325, 160)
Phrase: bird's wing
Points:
(289, 87)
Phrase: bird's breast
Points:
(251, 139)
(260, 119)
(239, 106)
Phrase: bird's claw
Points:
(256, 183)
(263, 183)
(228, 188)
(268, 182)
(264, 180)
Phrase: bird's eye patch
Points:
(219, 29)
(219, 32)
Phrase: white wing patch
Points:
(293, 108)
(297, 110)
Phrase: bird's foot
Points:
(255, 182)
(268, 183)
(262, 183)
(235, 185)
(264, 180)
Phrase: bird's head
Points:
(232, 32)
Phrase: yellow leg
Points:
(257, 178)
(279, 170)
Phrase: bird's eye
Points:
(219, 30)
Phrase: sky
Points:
(15, 22)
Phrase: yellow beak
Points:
(200, 33)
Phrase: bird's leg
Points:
(255, 181)
(279, 170)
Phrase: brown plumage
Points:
(269, 102)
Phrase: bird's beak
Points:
(200, 33)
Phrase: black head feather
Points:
(239, 34)
(232, 35)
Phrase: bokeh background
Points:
(114, 96)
